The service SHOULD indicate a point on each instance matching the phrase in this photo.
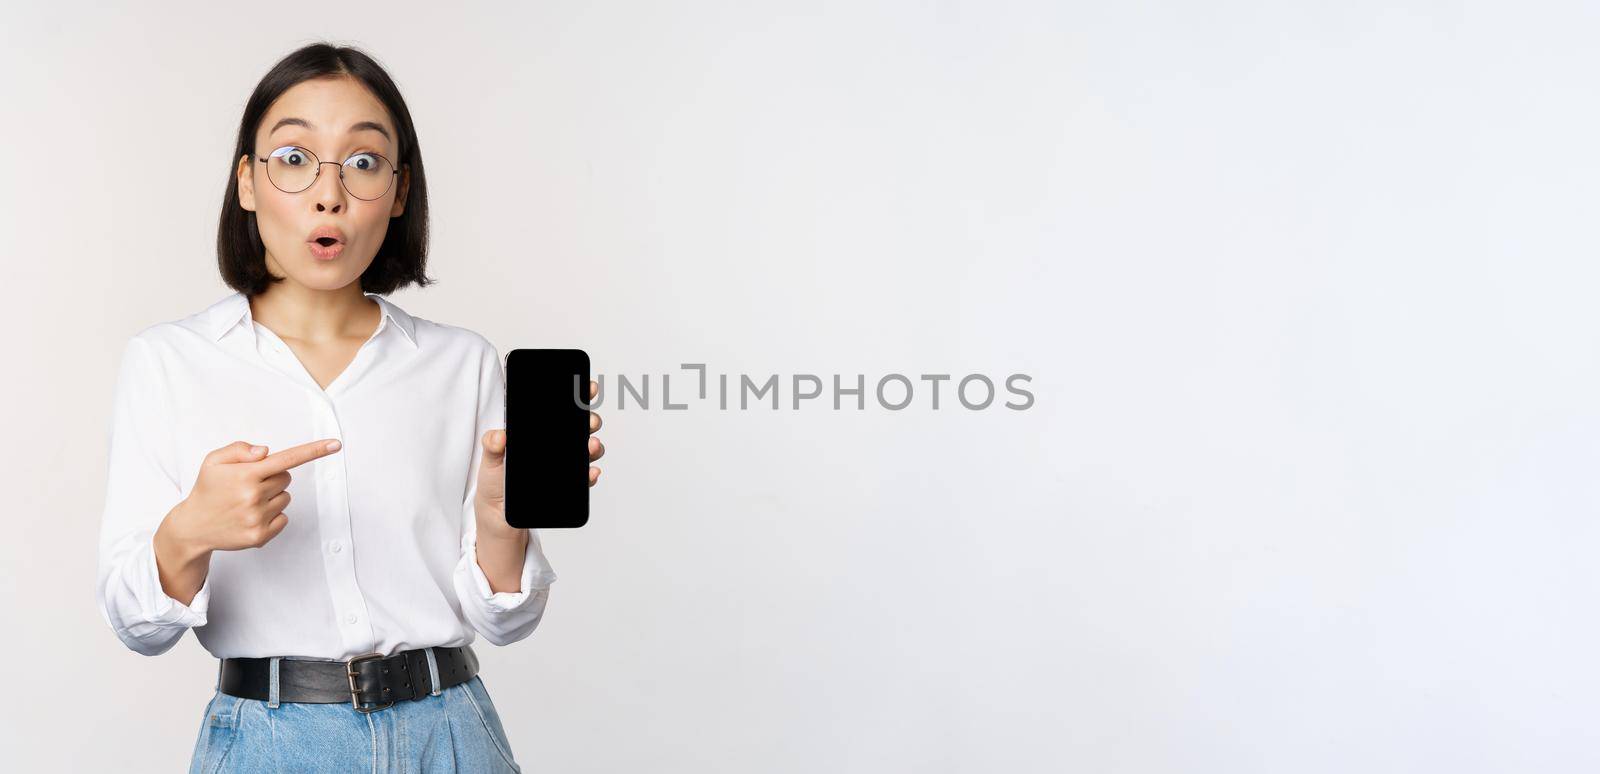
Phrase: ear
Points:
(247, 183)
(399, 207)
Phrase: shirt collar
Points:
(401, 320)
(228, 312)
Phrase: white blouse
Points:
(379, 553)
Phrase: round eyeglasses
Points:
(364, 175)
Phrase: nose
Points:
(328, 193)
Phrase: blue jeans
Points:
(456, 730)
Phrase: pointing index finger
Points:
(295, 456)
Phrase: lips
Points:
(326, 243)
(326, 253)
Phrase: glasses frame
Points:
(394, 173)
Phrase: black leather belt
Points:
(372, 679)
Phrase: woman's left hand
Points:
(491, 497)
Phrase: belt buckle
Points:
(351, 674)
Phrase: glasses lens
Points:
(367, 175)
(292, 169)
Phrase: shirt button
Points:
(331, 475)
(336, 547)
(349, 618)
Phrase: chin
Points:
(326, 281)
(320, 275)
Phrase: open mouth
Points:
(326, 242)
(326, 248)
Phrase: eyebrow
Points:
(356, 127)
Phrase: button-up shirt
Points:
(379, 553)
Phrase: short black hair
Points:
(403, 256)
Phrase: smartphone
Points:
(547, 438)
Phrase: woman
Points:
(309, 477)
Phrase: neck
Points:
(294, 311)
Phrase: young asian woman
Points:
(309, 477)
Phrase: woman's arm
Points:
(510, 607)
(141, 491)
(182, 564)
(501, 556)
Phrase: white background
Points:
(1306, 291)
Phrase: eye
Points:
(292, 155)
(365, 162)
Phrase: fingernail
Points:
(333, 446)
(256, 450)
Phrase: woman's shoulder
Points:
(208, 323)
(433, 334)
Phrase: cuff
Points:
(159, 608)
(537, 575)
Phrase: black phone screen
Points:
(547, 438)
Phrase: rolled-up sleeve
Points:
(507, 616)
(141, 488)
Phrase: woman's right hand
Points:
(239, 496)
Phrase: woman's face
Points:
(338, 120)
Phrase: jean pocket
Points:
(217, 732)
(483, 706)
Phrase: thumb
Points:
(238, 451)
(494, 448)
